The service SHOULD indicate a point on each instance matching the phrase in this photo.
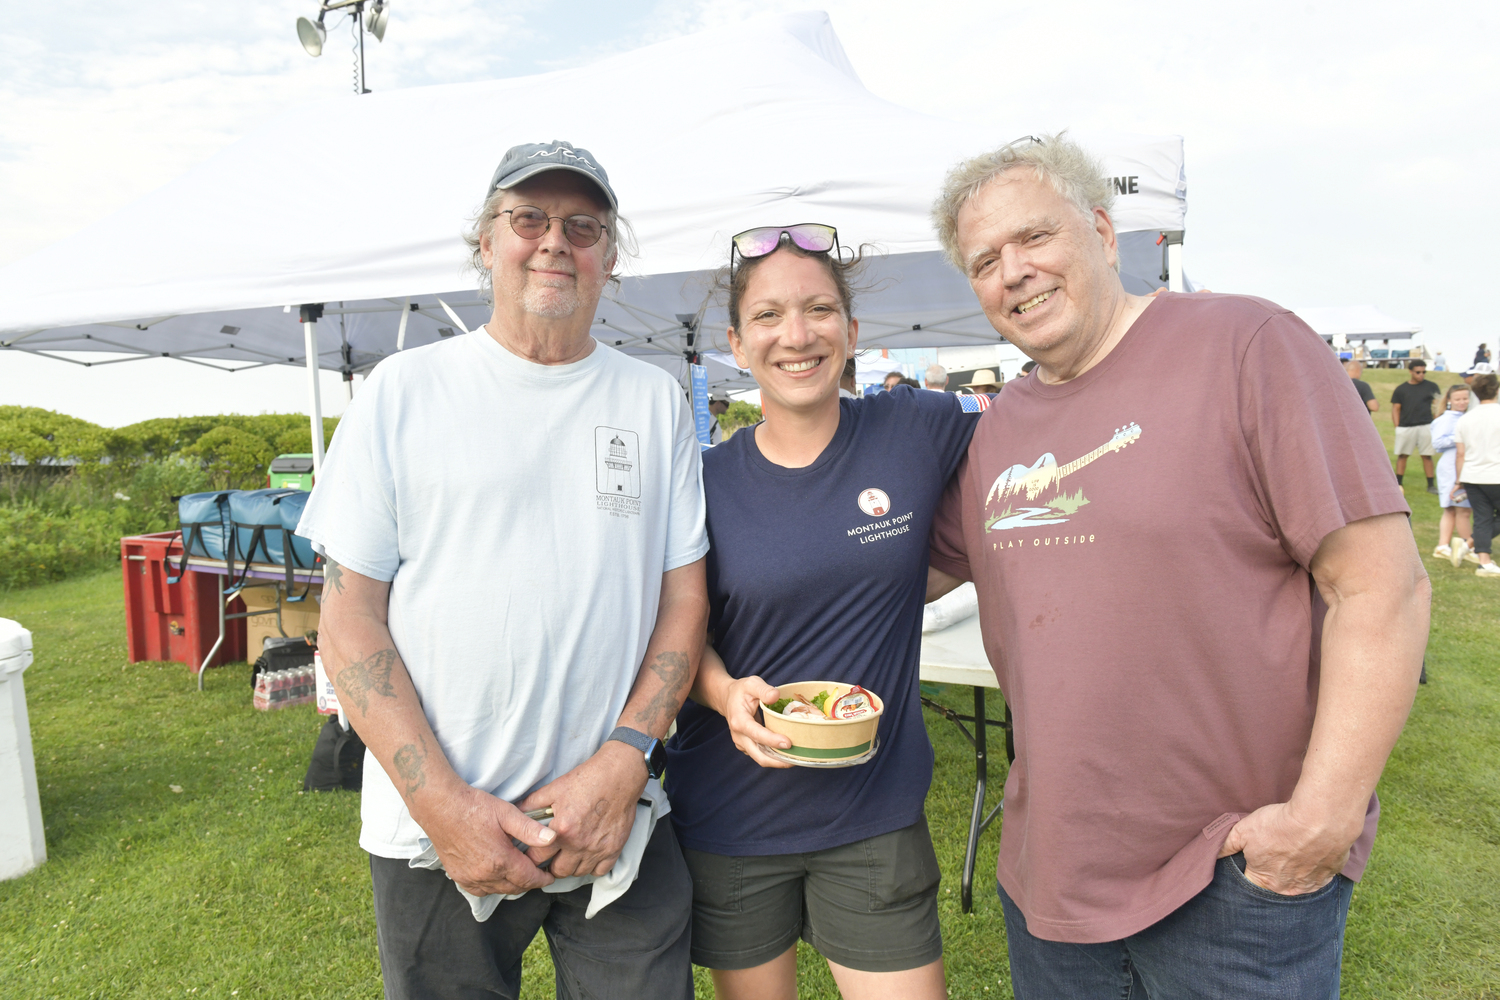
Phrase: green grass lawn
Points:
(239, 885)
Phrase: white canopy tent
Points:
(357, 205)
(1356, 323)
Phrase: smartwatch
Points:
(650, 746)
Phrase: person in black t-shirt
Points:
(1366, 394)
(1411, 412)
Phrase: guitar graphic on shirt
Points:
(1031, 481)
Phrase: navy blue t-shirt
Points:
(820, 573)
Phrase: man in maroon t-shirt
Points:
(1205, 609)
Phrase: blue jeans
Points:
(1233, 939)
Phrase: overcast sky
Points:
(1336, 154)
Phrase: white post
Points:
(310, 336)
(1174, 268)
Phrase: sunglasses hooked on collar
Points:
(813, 237)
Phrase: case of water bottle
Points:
(285, 688)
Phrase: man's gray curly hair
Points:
(617, 230)
(1073, 172)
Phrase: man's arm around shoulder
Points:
(471, 829)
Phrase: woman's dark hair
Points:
(1485, 386)
(843, 272)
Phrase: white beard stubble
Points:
(550, 301)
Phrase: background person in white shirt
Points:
(1477, 465)
(513, 612)
(1454, 532)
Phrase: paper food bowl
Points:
(830, 740)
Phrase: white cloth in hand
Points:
(607, 887)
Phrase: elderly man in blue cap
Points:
(513, 611)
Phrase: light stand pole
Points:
(314, 33)
(359, 32)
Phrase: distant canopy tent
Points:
(1340, 324)
(357, 206)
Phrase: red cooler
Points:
(174, 621)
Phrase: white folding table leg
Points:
(220, 641)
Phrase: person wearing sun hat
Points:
(985, 380)
(514, 607)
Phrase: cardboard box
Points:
(297, 618)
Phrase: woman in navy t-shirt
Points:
(807, 584)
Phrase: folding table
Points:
(956, 655)
(256, 571)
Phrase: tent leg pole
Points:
(310, 334)
(1174, 268)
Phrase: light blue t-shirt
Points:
(524, 515)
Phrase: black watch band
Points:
(649, 746)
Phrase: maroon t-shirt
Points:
(1140, 539)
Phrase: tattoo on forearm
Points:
(373, 673)
(410, 761)
(333, 575)
(674, 669)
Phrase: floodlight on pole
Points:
(312, 34)
(380, 16)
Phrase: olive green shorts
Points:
(870, 905)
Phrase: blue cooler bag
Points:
(291, 507)
(203, 519)
(260, 533)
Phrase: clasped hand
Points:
(593, 810)
(473, 837)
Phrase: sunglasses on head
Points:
(813, 237)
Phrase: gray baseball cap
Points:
(524, 162)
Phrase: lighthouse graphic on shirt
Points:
(617, 462)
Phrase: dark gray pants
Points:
(1485, 499)
(432, 948)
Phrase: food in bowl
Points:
(824, 707)
(825, 720)
(852, 705)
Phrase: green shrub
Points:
(41, 436)
(38, 545)
(155, 485)
(234, 459)
(83, 486)
(297, 442)
(740, 414)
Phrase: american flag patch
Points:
(976, 403)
